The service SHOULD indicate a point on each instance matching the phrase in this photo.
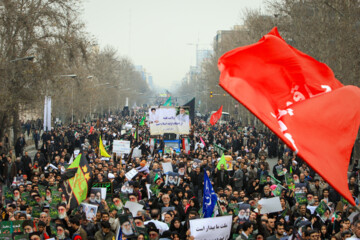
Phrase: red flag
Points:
(91, 129)
(300, 100)
(216, 116)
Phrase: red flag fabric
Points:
(91, 129)
(216, 116)
(300, 100)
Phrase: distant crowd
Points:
(155, 204)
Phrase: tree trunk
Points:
(16, 123)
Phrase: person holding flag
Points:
(222, 175)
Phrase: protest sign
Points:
(90, 210)
(270, 205)
(127, 226)
(277, 191)
(121, 147)
(229, 162)
(130, 174)
(280, 170)
(133, 207)
(22, 237)
(244, 213)
(167, 167)
(168, 120)
(263, 178)
(136, 153)
(127, 188)
(172, 179)
(216, 228)
(107, 185)
(100, 194)
(300, 197)
(323, 210)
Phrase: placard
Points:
(107, 185)
(270, 205)
(130, 174)
(211, 229)
(121, 147)
(134, 207)
(167, 167)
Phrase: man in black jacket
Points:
(197, 179)
(26, 164)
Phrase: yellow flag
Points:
(103, 152)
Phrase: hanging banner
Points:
(47, 113)
(169, 120)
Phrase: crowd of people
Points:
(155, 204)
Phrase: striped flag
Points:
(118, 233)
(186, 145)
(202, 141)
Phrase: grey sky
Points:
(156, 33)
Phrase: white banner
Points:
(211, 228)
(169, 120)
(47, 113)
(121, 147)
(130, 174)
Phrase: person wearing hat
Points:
(35, 236)
(153, 233)
(62, 233)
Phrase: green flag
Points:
(222, 161)
(290, 169)
(275, 180)
(168, 102)
(142, 122)
(77, 187)
(156, 177)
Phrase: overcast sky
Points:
(161, 35)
